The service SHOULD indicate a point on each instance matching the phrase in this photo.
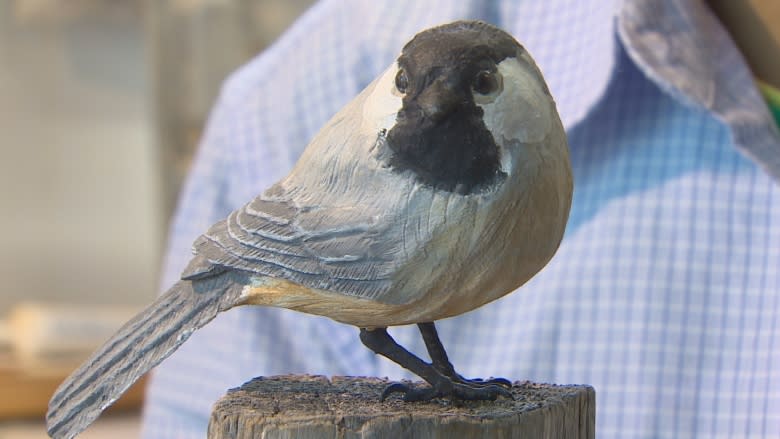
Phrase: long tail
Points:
(138, 346)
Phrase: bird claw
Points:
(394, 388)
(466, 391)
(479, 382)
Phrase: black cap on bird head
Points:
(439, 135)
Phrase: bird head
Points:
(456, 101)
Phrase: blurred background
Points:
(101, 106)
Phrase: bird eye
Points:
(485, 82)
(401, 81)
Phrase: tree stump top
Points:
(308, 406)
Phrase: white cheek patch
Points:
(383, 104)
(523, 111)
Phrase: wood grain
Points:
(345, 407)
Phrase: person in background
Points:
(665, 294)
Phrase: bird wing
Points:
(342, 220)
(351, 250)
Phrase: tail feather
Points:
(142, 343)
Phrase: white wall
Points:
(79, 186)
(90, 160)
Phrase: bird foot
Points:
(479, 382)
(472, 390)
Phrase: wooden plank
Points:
(345, 407)
(25, 393)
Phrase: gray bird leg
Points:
(442, 363)
(379, 341)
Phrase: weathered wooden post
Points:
(309, 407)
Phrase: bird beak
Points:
(434, 103)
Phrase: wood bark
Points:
(308, 407)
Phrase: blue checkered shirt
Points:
(665, 294)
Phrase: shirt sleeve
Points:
(203, 199)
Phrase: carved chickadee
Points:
(442, 186)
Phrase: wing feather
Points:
(341, 249)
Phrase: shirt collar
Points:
(679, 44)
(682, 47)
